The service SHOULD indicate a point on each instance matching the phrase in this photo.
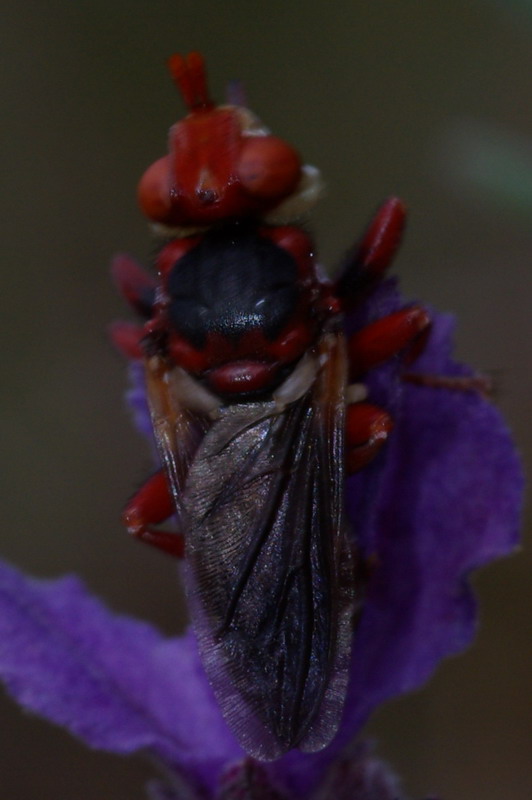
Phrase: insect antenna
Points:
(188, 74)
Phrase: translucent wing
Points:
(269, 568)
(179, 418)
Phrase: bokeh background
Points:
(428, 100)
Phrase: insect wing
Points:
(178, 429)
(269, 568)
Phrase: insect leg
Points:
(367, 429)
(126, 337)
(366, 262)
(152, 504)
(405, 330)
(135, 285)
(481, 384)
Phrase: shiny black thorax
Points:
(234, 280)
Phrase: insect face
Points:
(222, 163)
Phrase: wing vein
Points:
(264, 524)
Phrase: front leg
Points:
(365, 264)
(135, 284)
(151, 505)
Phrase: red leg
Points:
(136, 285)
(482, 384)
(367, 429)
(368, 260)
(126, 337)
(404, 330)
(152, 504)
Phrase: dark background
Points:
(431, 101)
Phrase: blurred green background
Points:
(428, 100)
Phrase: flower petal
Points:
(443, 498)
(112, 681)
(137, 401)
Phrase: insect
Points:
(258, 413)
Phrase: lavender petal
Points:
(442, 499)
(112, 681)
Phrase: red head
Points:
(221, 162)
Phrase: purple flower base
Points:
(443, 498)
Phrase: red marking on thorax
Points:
(239, 377)
(292, 342)
(222, 361)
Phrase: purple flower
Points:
(442, 499)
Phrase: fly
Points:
(249, 374)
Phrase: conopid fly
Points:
(248, 373)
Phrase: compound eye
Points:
(153, 191)
(268, 168)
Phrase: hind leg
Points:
(151, 505)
